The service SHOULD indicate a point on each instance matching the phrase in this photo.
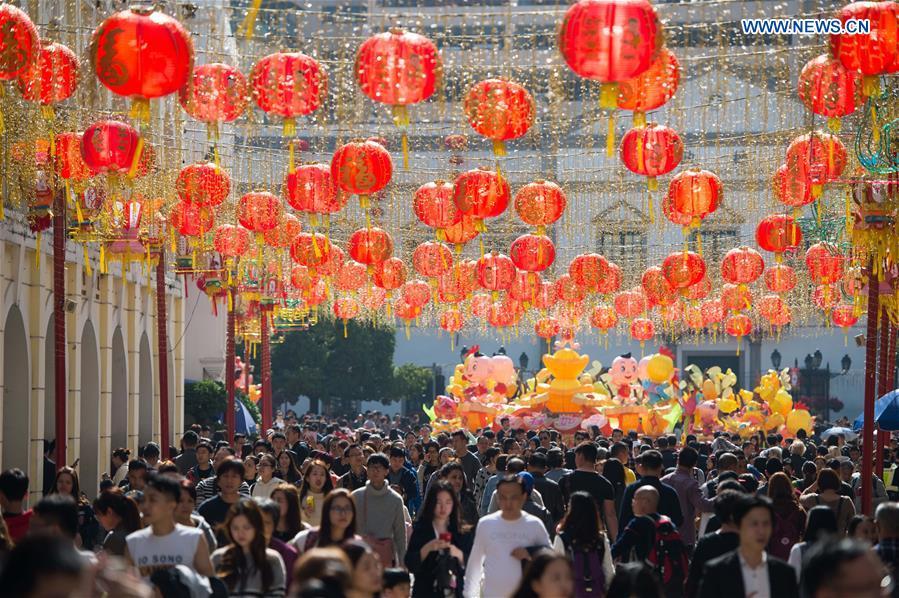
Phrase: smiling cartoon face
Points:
(477, 368)
(623, 370)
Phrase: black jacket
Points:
(427, 571)
(552, 496)
(669, 503)
(723, 578)
(709, 547)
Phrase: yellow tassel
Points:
(640, 156)
(87, 261)
(140, 110)
(215, 156)
(249, 22)
(639, 119)
(652, 218)
(344, 329)
(290, 128)
(102, 259)
(610, 136)
(132, 172)
(499, 147)
(291, 165)
(833, 123)
(363, 201)
(652, 183)
(405, 142)
(871, 86)
(608, 96)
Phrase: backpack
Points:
(786, 533)
(668, 556)
(586, 566)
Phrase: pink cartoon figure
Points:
(623, 374)
(478, 366)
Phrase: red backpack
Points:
(787, 532)
(668, 556)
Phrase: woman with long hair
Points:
(185, 512)
(290, 521)
(613, 470)
(789, 517)
(582, 538)
(821, 525)
(429, 464)
(436, 552)
(267, 481)
(250, 464)
(119, 516)
(287, 468)
(67, 484)
(826, 491)
(862, 527)
(547, 575)
(247, 567)
(453, 473)
(338, 523)
(367, 569)
(316, 485)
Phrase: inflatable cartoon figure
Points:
(623, 375)
(566, 364)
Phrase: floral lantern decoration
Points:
(435, 207)
(361, 168)
(310, 188)
(651, 150)
(792, 187)
(683, 269)
(289, 84)
(693, 195)
(780, 278)
(432, 260)
(822, 156)
(499, 110)
(778, 233)
(540, 204)
(845, 317)
(389, 274)
(370, 246)
(52, 78)
(870, 54)
(642, 329)
(742, 266)
(825, 263)
(142, 54)
(532, 253)
(398, 68)
(481, 194)
(652, 88)
(203, 184)
(216, 93)
(829, 89)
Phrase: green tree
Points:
(412, 382)
(205, 402)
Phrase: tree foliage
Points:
(205, 402)
(411, 382)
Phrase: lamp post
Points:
(815, 382)
(523, 361)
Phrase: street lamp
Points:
(846, 363)
(776, 359)
(523, 361)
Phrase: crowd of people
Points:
(374, 506)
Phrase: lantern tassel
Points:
(871, 86)
(140, 110)
(37, 252)
(833, 123)
(639, 118)
(249, 22)
(291, 164)
(132, 172)
(610, 136)
(649, 209)
(499, 147)
(290, 127)
(102, 258)
(405, 143)
(87, 261)
(2, 122)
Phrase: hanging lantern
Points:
(499, 110)
(416, 293)
(331, 260)
(434, 206)
(372, 298)
(142, 54)
(697, 291)
(780, 278)
(825, 263)
(738, 326)
(692, 317)
(683, 269)
(191, 220)
(642, 329)
(457, 284)
(405, 311)
(873, 53)
(820, 155)
(603, 317)
(452, 321)
(778, 233)
(19, 44)
(310, 188)
(51, 78)
(311, 250)
(742, 265)
(532, 253)
(611, 282)
(346, 308)
(829, 89)
(651, 89)
(695, 194)
(203, 184)
(109, 146)
(259, 211)
(844, 317)
(769, 306)
(231, 241)
(217, 93)
(545, 296)
(282, 236)
(69, 163)
(630, 304)
(302, 278)
(481, 194)
(398, 68)
(432, 260)
(389, 274)
(569, 291)
(792, 187)
(351, 276)
(289, 84)
(495, 272)
(546, 328)
(370, 246)
(656, 287)
(651, 150)
(361, 168)
(461, 232)
(588, 270)
(540, 204)
(825, 297)
(712, 313)
(524, 287)
(736, 297)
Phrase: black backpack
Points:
(668, 556)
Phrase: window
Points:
(715, 243)
(626, 246)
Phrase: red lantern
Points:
(19, 44)
(142, 55)
(310, 188)
(738, 325)
(231, 241)
(828, 88)
(389, 274)
(770, 306)
(820, 155)
(540, 204)
(496, 272)
(524, 286)
(499, 110)
(481, 194)
(346, 308)
(416, 293)
(370, 246)
(203, 184)
(432, 259)
(683, 269)
(109, 146)
(302, 278)
(434, 206)
(780, 278)
(610, 41)
(611, 282)
(372, 298)
(289, 84)
(742, 265)
(692, 317)
(351, 276)
(532, 253)
(587, 270)
(694, 194)
(698, 291)
(872, 53)
(651, 150)
(642, 329)
(452, 320)
(778, 233)
(331, 260)
(259, 211)
(630, 304)
(825, 263)
(282, 236)
(217, 93)
(405, 311)
(792, 187)
(316, 295)
(651, 89)
(568, 290)
(361, 168)
(603, 317)
(312, 250)
(547, 327)
(656, 287)
(191, 220)
(825, 296)
(70, 164)
(844, 316)
(712, 312)
(736, 297)
(545, 296)
(52, 78)
(461, 232)
(458, 283)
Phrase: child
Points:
(396, 583)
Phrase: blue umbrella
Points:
(886, 413)
(243, 420)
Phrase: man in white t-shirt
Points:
(502, 541)
(164, 543)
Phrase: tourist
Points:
(58, 515)
(367, 576)
(470, 463)
(120, 458)
(554, 461)
(401, 476)
(887, 548)
(582, 538)
(718, 543)
(826, 491)
(229, 476)
(584, 478)
(250, 473)
(188, 459)
(247, 567)
(863, 528)
(821, 525)
(290, 523)
(271, 512)
(150, 455)
(356, 476)
(208, 487)
(689, 494)
(635, 580)
(649, 466)
(547, 575)
(549, 490)
(13, 491)
(316, 485)
(338, 524)
(203, 469)
(436, 552)
(789, 517)
(486, 471)
(845, 568)
(186, 515)
(397, 583)
(429, 465)
(380, 513)
(502, 541)
(40, 566)
(267, 481)
(454, 474)
(322, 573)
(118, 514)
(67, 484)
